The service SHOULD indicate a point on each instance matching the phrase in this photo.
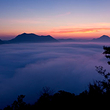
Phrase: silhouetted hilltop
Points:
(32, 38)
(1, 42)
(67, 40)
(72, 40)
(103, 38)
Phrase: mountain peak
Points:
(31, 37)
(24, 33)
(103, 38)
(1, 42)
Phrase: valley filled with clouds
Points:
(28, 67)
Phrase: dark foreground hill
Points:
(31, 38)
(103, 38)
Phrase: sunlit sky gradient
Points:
(59, 18)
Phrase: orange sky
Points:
(80, 31)
(59, 18)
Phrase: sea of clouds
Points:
(27, 68)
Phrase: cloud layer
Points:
(27, 68)
(80, 30)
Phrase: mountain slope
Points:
(103, 38)
(32, 38)
(1, 42)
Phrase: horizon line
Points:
(9, 37)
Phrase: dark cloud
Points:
(27, 68)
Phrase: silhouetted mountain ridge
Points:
(32, 38)
(1, 42)
(103, 38)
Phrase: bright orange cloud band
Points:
(80, 30)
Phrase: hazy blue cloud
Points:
(27, 68)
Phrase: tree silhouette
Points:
(105, 83)
(100, 90)
(107, 53)
(17, 105)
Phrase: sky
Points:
(59, 18)
(27, 68)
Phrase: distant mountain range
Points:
(33, 38)
(30, 38)
(103, 38)
(1, 42)
(72, 40)
(67, 40)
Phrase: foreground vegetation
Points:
(98, 95)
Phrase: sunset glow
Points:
(54, 52)
(75, 30)
(59, 18)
